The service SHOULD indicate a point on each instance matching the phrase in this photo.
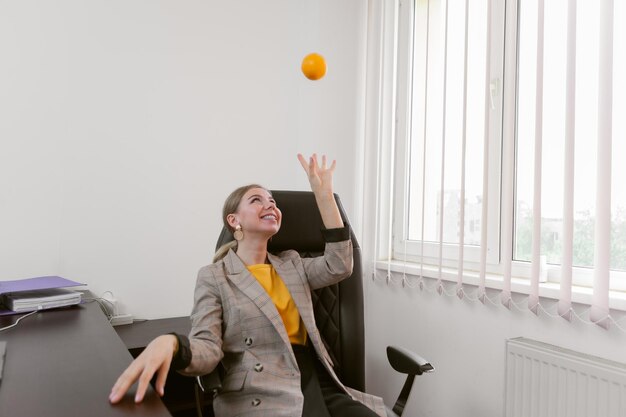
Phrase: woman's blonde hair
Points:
(230, 206)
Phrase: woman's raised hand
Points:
(321, 180)
(155, 359)
(320, 176)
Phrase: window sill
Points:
(550, 290)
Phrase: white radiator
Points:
(543, 380)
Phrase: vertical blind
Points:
(602, 257)
(565, 298)
(599, 312)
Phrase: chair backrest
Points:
(338, 308)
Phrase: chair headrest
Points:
(301, 224)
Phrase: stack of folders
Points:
(42, 299)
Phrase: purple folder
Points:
(28, 284)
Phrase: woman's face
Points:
(257, 214)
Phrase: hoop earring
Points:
(238, 233)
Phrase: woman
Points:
(253, 312)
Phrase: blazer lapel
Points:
(247, 284)
(295, 284)
(301, 294)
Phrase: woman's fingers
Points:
(143, 373)
(162, 378)
(157, 357)
(144, 381)
(313, 166)
(310, 166)
(332, 166)
(320, 176)
(304, 163)
(123, 383)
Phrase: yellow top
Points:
(278, 292)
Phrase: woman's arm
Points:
(336, 263)
(155, 359)
(205, 336)
(203, 348)
(321, 180)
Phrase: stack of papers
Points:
(24, 301)
(19, 296)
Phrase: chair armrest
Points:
(407, 362)
(211, 382)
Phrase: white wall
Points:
(465, 342)
(124, 125)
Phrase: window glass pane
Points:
(553, 127)
(618, 193)
(527, 63)
(475, 118)
(424, 192)
(553, 131)
(587, 47)
(427, 119)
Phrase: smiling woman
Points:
(253, 313)
(231, 205)
(254, 220)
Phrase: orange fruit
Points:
(314, 66)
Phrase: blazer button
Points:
(258, 367)
(256, 402)
(248, 341)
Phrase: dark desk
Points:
(137, 335)
(64, 363)
(179, 390)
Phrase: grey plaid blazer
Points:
(234, 320)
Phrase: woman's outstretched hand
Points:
(155, 359)
(321, 180)
(320, 176)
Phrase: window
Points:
(451, 163)
(446, 117)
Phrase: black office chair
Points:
(338, 308)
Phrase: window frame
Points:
(411, 251)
